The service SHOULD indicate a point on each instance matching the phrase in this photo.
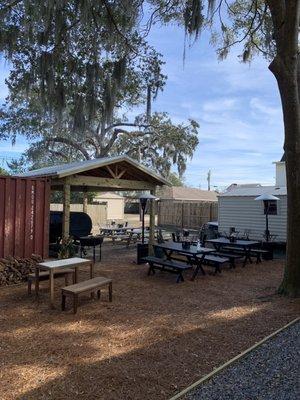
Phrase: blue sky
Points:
(237, 106)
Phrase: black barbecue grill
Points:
(80, 230)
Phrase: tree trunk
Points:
(286, 73)
(148, 110)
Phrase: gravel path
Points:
(270, 372)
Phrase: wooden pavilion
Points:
(103, 174)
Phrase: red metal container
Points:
(24, 216)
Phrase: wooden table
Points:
(51, 266)
(193, 254)
(106, 230)
(245, 245)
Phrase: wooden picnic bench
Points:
(258, 253)
(232, 257)
(88, 286)
(239, 246)
(234, 250)
(58, 265)
(216, 261)
(45, 276)
(127, 238)
(170, 266)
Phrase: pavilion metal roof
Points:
(64, 170)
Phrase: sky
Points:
(237, 106)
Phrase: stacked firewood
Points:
(15, 269)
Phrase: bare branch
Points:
(126, 124)
(117, 29)
(70, 143)
(58, 154)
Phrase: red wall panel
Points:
(24, 216)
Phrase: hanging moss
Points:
(193, 18)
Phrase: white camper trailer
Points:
(237, 208)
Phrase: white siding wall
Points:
(280, 174)
(246, 213)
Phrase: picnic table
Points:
(53, 266)
(194, 255)
(110, 230)
(245, 245)
(132, 235)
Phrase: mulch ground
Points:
(156, 338)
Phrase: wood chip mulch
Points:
(153, 340)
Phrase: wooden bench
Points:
(44, 276)
(258, 253)
(161, 264)
(232, 257)
(215, 261)
(120, 237)
(124, 238)
(233, 250)
(88, 286)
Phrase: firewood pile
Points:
(16, 269)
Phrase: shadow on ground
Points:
(152, 341)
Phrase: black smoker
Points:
(80, 230)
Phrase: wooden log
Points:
(15, 269)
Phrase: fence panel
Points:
(184, 214)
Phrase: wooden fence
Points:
(183, 214)
(97, 213)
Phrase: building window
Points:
(272, 206)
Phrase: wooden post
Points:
(66, 208)
(152, 223)
(85, 202)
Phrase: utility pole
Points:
(208, 179)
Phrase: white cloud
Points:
(220, 105)
(259, 106)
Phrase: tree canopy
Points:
(3, 171)
(76, 68)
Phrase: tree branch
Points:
(126, 124)
(249, 30)
(117, 29)
(70, 143)
(58, 154)
(9, 6)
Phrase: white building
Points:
(237, 208)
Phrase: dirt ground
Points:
(154, 339)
